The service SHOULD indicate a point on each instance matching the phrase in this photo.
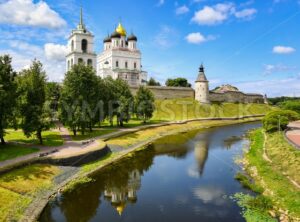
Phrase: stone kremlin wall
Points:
(163, 92)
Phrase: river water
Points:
(186, 177)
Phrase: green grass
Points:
(19, 187)
(274, 175)
(95, 133)
(11, 151)
(50, 138)
(182, 109)
(246, 183)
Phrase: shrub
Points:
(291, 105)
(273, 119)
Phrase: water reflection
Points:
(185, 177)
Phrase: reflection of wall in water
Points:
(119, 197)
(201, 152)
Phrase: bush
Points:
(291, 105)
(273, 119)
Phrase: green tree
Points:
(79, 97)
(7, 94)
(119, 100)
(53, 91)
(178, 82)
(144, 102)
(152, 82)
(35, 116)
(274, 119)
(291, 105)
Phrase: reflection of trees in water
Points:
(118, 182)
(229, 142)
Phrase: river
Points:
(186, 177)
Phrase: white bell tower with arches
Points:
(81, 47)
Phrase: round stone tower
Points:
(201, 87)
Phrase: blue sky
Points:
(251, 44)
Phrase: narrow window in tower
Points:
(84, 45)
(80, 60)
(72, 45)
(117, 64)
(135, 65)
(90, 62)
(126, 65)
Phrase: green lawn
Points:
(95, 133)
(19, 187)
(285, 162)
(51, 138)
(182, 109)
(11, 151)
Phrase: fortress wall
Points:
(235, 97)
(163, 92)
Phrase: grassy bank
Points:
(275, 176)
(183, 109)
(19, 187)
(11, 151)
(50, 138)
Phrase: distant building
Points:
(120, 58)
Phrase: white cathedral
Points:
(120, 57)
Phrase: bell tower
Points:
(201, 87)
(81, 46)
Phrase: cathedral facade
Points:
(120, 58)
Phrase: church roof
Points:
(115, 34)
(121, 30)
(107, 39)
(132, 37)
(201, 76)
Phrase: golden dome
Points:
(120, 208)
(121, 30)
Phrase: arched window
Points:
(84, 45)
(68, 65)
(72, 45)
(126, 65)
(117, 64)
(135, 65)
(72, 62)
(90, 62)
(80, 60)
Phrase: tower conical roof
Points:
(201, 76)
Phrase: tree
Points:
(120, 100)
(35, 117)
(291, 105)
(79, 98)
(7, 94)
(274, 119)
(152, 82)
(144, 101)
(178, 82)
(53, 91)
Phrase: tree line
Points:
(28, 101)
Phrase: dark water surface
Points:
(186, 177)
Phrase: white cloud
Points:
(217, 14)
(198, 38)
(213, 15)
(283, 50)
(160, 3)
(246, 13)
(28, 13)
(273, 88)
(166, 37)
(182, 10)
(55, 51)
(270, 69)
